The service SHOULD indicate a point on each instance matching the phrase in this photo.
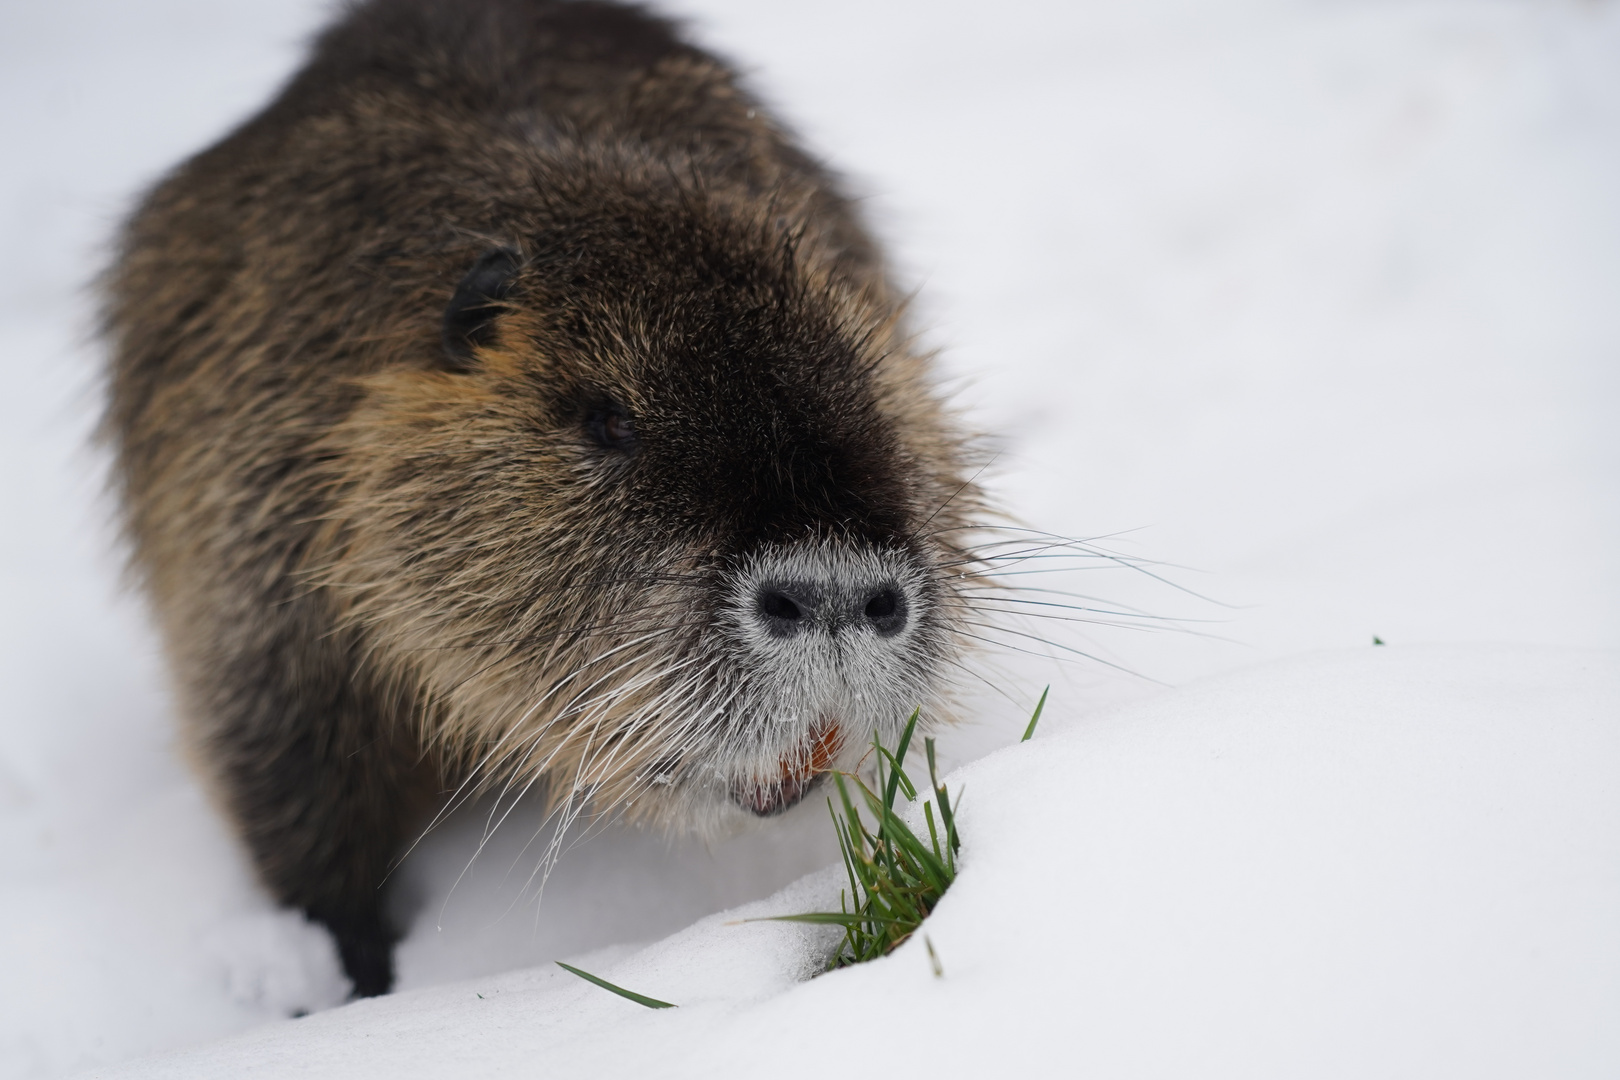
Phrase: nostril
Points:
(776, 605)
(886, 610)
(782, 615)
(882, 605)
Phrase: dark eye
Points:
(610, 425)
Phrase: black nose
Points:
(786, 608)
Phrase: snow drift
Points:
(1397, 862)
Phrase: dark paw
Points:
(366, 947)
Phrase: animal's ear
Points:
(469, 318)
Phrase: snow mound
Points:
(1392, 862)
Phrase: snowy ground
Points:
(1317, 297)
(1397, 862)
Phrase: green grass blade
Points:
(639, 999)
(947, 813)
(827, 918)
(860, 839)
(944, 811)
(883, 852)
(850, 816)
(947, 818)
(899, 756)
(843, 845)
(897, 775)
(1033, 720)
(896, 877)
(932, 868)
(903, 840)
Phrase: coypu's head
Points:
(668, 517)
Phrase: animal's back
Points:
(412, 135)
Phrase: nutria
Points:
(512, 402)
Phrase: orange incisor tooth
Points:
(823, 746)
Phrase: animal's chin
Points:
(801, 771)
(768, 800)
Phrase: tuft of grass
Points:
(639, 999)
(895, 877)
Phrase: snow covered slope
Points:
(1317, 295)
(1392, 863)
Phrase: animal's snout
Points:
(787, 608)
(838, 638)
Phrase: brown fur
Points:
(382, 573)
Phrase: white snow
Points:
(1394, 862)
(1317, 297)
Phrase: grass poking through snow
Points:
(1029, 732)
(639, 999)
(895, 876)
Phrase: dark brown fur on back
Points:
(384, 568)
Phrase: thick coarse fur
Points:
(511, 403)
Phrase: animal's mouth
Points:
(801, 770)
